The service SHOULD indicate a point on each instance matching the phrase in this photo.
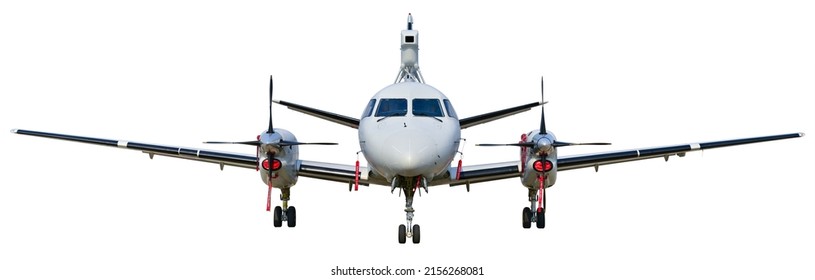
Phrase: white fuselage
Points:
(409, 129)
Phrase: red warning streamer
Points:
(458, 170)
(270, 156)
(269, 196)
(523, 152)
(356, 176)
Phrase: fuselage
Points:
(409, 129)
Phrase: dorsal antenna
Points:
(409, 68)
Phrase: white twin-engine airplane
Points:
(409, 134)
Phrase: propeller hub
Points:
(544, 145)
(269, 142)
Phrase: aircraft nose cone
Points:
(412, 154)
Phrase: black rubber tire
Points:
(278, 216)
(540, 220)
(402, 234)
(416, 236)
(526, 221)
(291, 216)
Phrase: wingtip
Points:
(14, 130)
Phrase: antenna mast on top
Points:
(409, 68)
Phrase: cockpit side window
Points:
(369, 109)
(389, 107)
(427, 107)
(450, 111)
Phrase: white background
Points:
(634, 73)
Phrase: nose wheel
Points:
(526, 222)
(414, 233)
(289, 216)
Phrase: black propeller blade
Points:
(532, 145)
(525, 144)
(271, 90)
(291, 143)
(252, 143)
(543, 120)
(281, 143)
(563, 144)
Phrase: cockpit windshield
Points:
(390, 107)
(427, 107)
(450, 111)
(369, 109)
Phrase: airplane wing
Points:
(312, 169)
(491, 116)
(332, 117)
(482, 173)
(595, 160)
(221, 158)
(497, 171)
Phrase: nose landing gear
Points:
(410, 231)
(286, 213)
(538, 216)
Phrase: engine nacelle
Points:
(530, 155)
(283, 165)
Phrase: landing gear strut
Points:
(286, 213)
(410, 231)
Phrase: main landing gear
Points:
(286, 213)
(410, 231)
(538, 215)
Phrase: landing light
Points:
(543, 166)
(274, 166)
